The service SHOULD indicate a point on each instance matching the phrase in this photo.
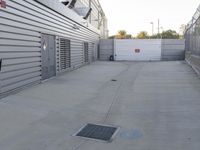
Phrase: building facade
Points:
(192, 37)
(40, 39)
(97, 17)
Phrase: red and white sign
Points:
(2, 4)
(137, 50)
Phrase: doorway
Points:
(48, 56)
(86, 52)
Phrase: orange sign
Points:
(2, 4)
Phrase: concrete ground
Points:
(156, 104)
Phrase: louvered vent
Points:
(65, 60)
(86, 51)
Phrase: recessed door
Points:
(86, 52)
(48, 56)
(1, 63)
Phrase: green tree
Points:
(112, 37)
(121, 34)
(170, 34)
(142, 35)
(128, 36)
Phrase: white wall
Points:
(150, 50)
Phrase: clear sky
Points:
(135, 15)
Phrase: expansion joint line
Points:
(116, 98)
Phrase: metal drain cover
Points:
(114, 80)
(98, 132)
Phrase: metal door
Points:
(86, 52)
(1, 63)
(94, 52)
(48, 56)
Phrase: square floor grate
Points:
(98, 132)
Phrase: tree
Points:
(142, 35)
(121, 34)
(170, 34)
(112, 37)
(128, 36)
(182, 31)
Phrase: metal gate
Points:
(48, 56)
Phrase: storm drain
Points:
(114, 80)
(98, 132)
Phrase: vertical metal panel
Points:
(149, 50)
(106, 49)
(21, 25)
(173, 49)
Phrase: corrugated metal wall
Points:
(173, 49)
(106, 49)
(21, 26)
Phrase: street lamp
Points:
(162, 31)
(152, 28)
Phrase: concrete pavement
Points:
(156, 104)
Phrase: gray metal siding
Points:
(77, 53)
(106, 49)
(21, 26)
(21, 58)
(173, 49)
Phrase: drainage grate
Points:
(98, 132)
(114, 80)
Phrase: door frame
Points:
(54, 39)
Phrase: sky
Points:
(135, 15)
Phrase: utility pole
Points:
(152, 28)
(158, 26)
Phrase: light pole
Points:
(158, 26)
(152, 28)
(161, 28)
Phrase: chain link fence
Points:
(192, 34)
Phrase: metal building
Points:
(40, 39)
(192, 36)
